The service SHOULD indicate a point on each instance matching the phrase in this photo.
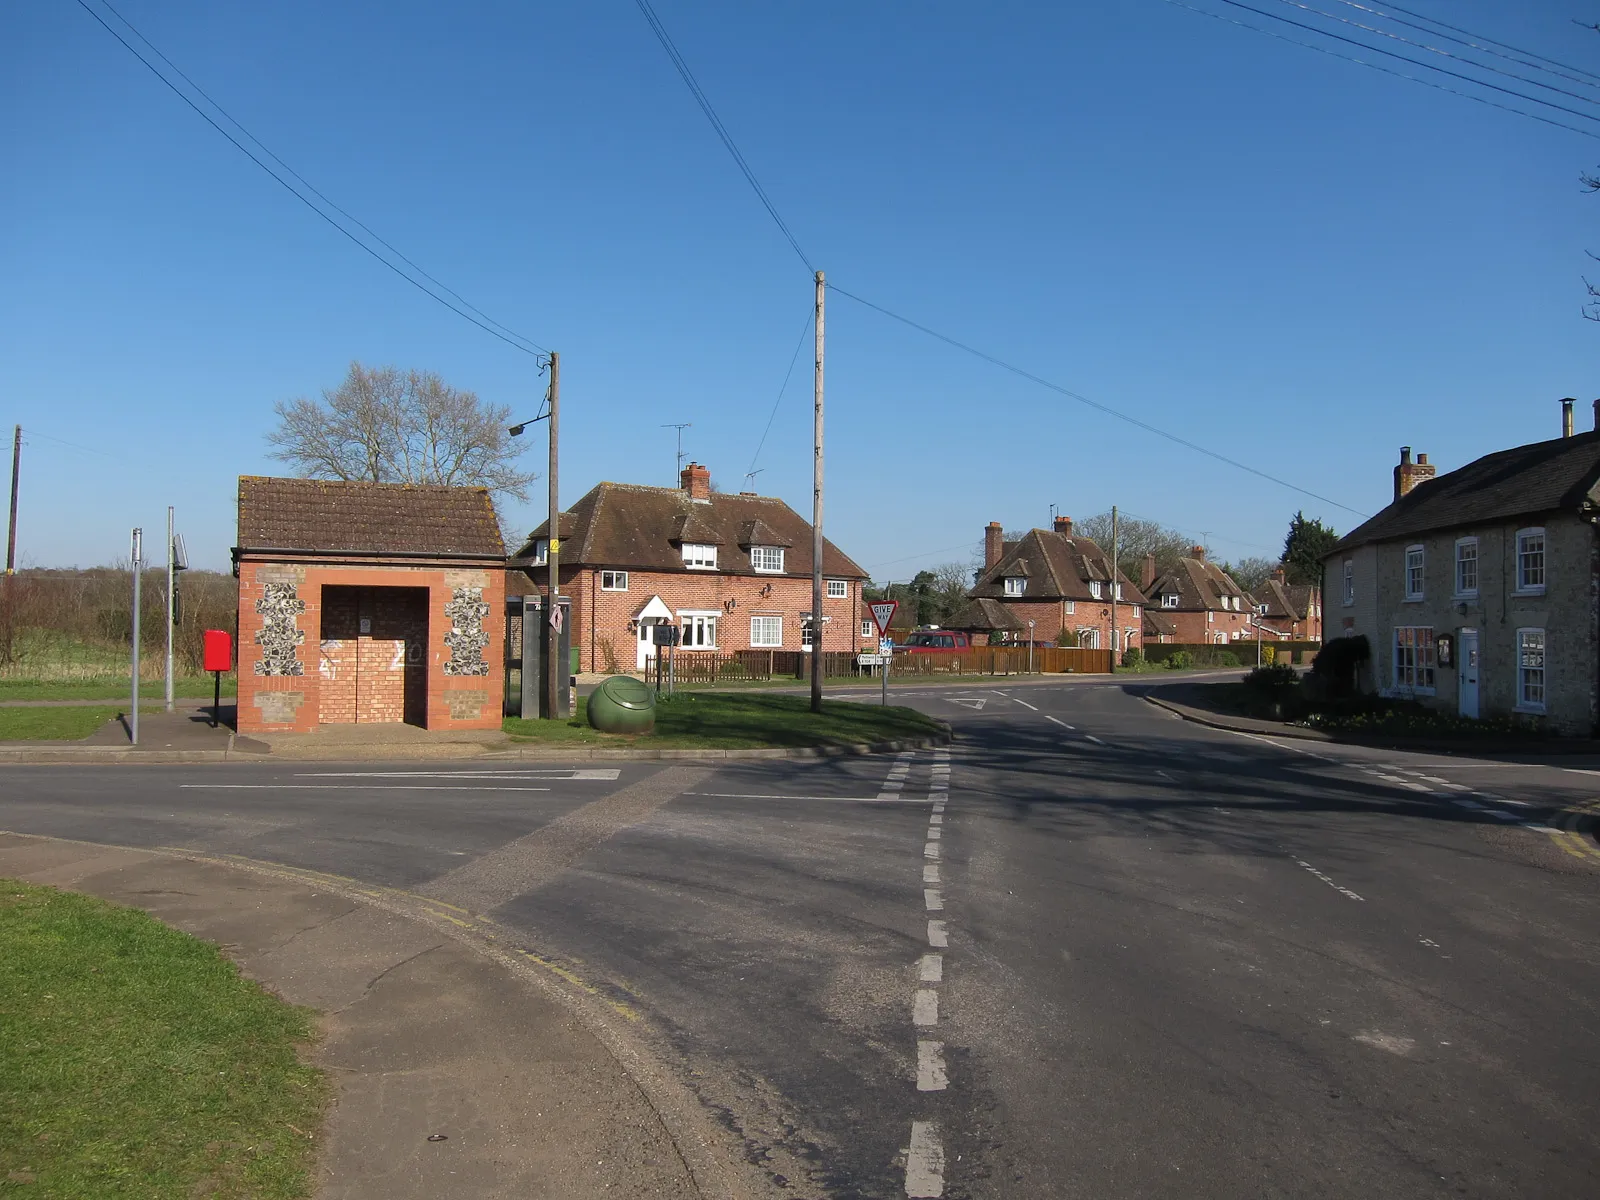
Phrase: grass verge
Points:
(138, 1063)
(58, 724)
(740, 721)
(112, 689)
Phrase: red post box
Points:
(219, 650)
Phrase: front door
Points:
(647, 646)
(1467, 671)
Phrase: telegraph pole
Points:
(552, 628)
(816, 512)
(138, 568)
(11, 542)
(172, 602)
(1116, 577)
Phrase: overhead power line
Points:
(693, 85)
(515, 340)
(1484, 44)
(1094, 404)
(1282, 37)
(1450, 54)
(810, 316)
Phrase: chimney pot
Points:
(696, 481)
(1405, 455)
(1408, 474)
(1064, 525)
(1422, 460)
(994, 544)
(1566, 417)
(1197, 552)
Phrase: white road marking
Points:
(1434, 779)
(975, 702)
(930, 850)
(938, 805)
(936, 819)
(880, 798)
(931, 968)
(1343, 891)
(933, 835)
(930, 873)
(931, 1075)
(567, 773)
(1534, 825)
(1025, 704)
(357, 787)
(1458, 787)
(938, 935)
(932, 900)
(925, 1008)
(924, 1162)
(892, 785)
(1057, 720)
(1094, 739)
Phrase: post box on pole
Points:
(217, 658)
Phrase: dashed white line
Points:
(934, 834)
(1057, 720)
(932, 900)
(1025, 704)
(931, 968)
(930, 850)
(931, 1075)
(1343, 891)
(924, 1162)
(925, 1008)
(930, 873)
(938, 935)
(1094, 739)
(936, 819)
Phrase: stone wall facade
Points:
(351, 641)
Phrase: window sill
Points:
(1465, 596)
(1529, 710)
(1527, 593)
(1414, 599)
(697, 567)
(769, 570)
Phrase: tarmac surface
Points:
(1091, 950)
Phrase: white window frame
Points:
(1524, 587)
(1072, 607)
(1089, 637)
(1118, 589)
(837, 589)
(1464, 592)
(541, 551)
(695, 623)
(1094, 589)
(1170, 599)
(1526, 673)
(1418, 675)
(1016, 585)
(618, 581)
(1349, 582)
(1420, 567)
(698, 556)
(869, 630)
(763, 641)
(766, 560)
(806, 636)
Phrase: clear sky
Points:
(1294, 260)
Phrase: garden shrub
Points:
(1179, 660)
(1338, 665)
(1133, 658)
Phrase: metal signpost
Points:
(138, 566)
(1030, 645)
(882, 613)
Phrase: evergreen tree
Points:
(1303, 548)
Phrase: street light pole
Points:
(552, 623)
(817, 659)
(138, 568)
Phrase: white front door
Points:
(1467, 671)
(647, 646)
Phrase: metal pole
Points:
(816, 511)
(138, 566)
(1030, 645)
(172, 576)
(1116, 577)
(551, 635)
(11, 543)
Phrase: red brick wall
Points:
(1193, 626)
(599, 615)
(1050, 617)
(402, 660)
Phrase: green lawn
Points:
(136, 1062)
(737, 721)
(112, 688)
(66, 724)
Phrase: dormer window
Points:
(768, 560)
(1119, 591)
(1169, 600)
(698, 557)
(1015, 585)
(1094, 588)
(541, 552)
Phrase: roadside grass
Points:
(64, 724)
(138, 1062)
(112, 688)
(733, 721)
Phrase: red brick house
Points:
(1200, 600)
(1058, 581)
(1293, 611)
(368, 602)
(733, 572)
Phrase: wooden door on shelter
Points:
(374, 655)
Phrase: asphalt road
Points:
(1091, 951)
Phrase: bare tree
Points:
(1251, 573)
(385, 425)
(1135, 539)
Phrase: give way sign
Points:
(882, 613)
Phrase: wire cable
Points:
(1303, 7)
(810, 316)
(1282, 37)
(290, 188)
(1094, 404)
(693, 85)
(1555, 67)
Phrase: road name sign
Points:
(882, 613)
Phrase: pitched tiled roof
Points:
(1560, 474)
(1056, 566)
(339, 517)
(1199, 586)
(984, 613)
(1155, 625)
(638, 528)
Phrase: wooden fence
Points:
(699, 667)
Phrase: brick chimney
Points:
(696, 480)
(1566, 417)
(1064, 525)
(994, 544)
(1147, 572)
(1280, 574)
(1197, 552)
(1408, 474)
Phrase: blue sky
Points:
(1294, 260)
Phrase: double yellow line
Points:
(1568, 828)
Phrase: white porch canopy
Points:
(655, 610)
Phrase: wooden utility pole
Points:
(1116, 582)
(552, 613)
(11, 545)
(817, 659)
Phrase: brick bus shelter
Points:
(366, 603)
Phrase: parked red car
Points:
(935, 641)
